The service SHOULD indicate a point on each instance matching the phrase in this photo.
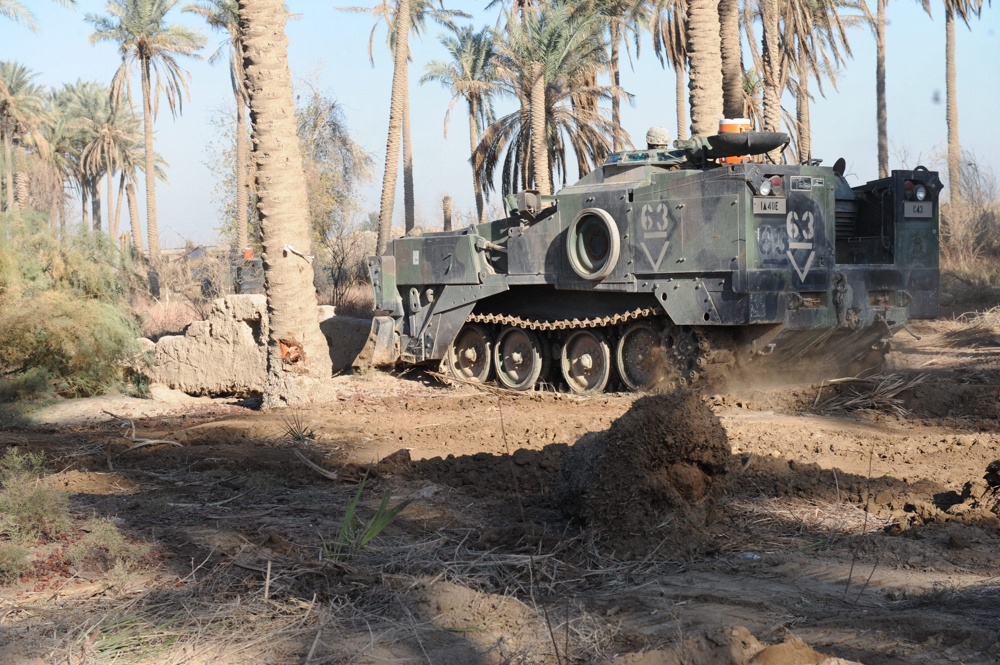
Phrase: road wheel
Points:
(470, 357)
(586, 361)
(518, 358)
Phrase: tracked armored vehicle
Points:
(668, 266)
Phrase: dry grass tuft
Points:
(875, 393)
(191, 626)
(29, 509)
(164, 317)
(788, 523)
(105, 549)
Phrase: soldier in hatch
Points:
(657, 138)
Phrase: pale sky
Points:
(329, 49)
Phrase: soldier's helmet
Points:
(657, 137)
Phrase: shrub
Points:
(30, 509)
(57, 341)
(62, 325)
(15, 561)
(14, 463)
(105, 548)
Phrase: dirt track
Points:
(482, 567)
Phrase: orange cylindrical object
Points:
(734, 126)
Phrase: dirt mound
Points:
(659, 469)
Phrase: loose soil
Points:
(817, 522)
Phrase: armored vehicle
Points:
(668, 266)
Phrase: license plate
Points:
(768, 206)
(918, 209)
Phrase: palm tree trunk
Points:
(55, 205)
(881, 114)
(84, 210)
(539, 143)
(477, 186)
(408, 211)
(95, 203)
(951, 114)
(8, 160)
(616, 81)
(112, 224)
(297, 349)
(23, 185)
(446, 213)
(395, 126)
(118, 203)
(242, 190)
(802, 110)
(681, 90)
(732, 59)
(62, 222)
(133, 217)
(771, 84)
(705, 82)
(152, 229)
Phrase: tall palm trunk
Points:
(112, 223)
(732, 58)
(705, 82)
(951, 114)
(23, 185)
(539, 144)
(296, 347)
(55, 205)
(616, 81)
(152, 230)
(681, 90)
(771, 84)
(8, 160)
(62, 221)
(477, 186)
(802, 110)
(133, 217)
(881, 114)
(118, 202)
(395, 126)
(242, 190)
(84, 210)
(95, 202)
(408, 211)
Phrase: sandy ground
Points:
(870, 534)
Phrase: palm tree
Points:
(705, 61)
(815, 38)
(881, 113)
(82, 103)
(732, 59)
(22, 113)
(964, 9)
(668, 28)
(116, 138)
(148, 42)
(59, 133)
(17, 12)
(622, 17)
(772, 80)
(396, 108)
(223, 15)
(401, 17)
(547, 62)
(470, 75)
(297, 349)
